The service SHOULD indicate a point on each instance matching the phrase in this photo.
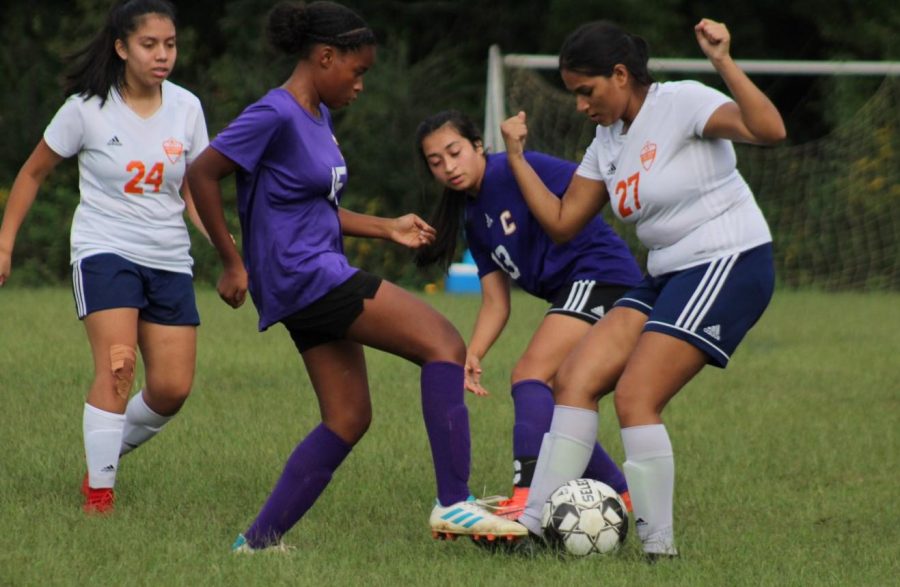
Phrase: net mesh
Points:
(833, 204)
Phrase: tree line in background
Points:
(432, 56)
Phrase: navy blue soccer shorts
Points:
(586, 299)
(106, 281)
(711, 306)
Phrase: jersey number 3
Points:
(627, 190)
(502, 258)
(153, 179)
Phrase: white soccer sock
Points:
(650, 471)
(102, 439)
(565, 452)
(141, 423)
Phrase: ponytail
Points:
(446, 221)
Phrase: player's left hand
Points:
(713, 38)
(473, 375)
(411, 231)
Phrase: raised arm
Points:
(492, 317)
(203, 178)
(561, 218)
(752, 118)
(22, 195)
(408, 230)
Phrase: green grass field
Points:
(786, 463)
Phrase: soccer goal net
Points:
(833, 204)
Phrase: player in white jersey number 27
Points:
(663, 158)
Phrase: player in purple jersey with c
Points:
(290, 176)
(581, 279)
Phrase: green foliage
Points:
(432, 56)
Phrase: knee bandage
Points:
(122, 360)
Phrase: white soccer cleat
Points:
(469, 518)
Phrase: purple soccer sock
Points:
(306, 473)
(533, 405)
(602, 468)
(447, 423)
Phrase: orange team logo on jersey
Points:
(173, 150)
(648, 155)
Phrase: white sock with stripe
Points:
(102, 439)
(565, 452)
(650, 471)
(141, 423)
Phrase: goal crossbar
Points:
(495, 111)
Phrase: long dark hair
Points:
(97, 67)
(448, 212)
(295, 27)
(596, 47)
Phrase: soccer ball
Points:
(585, 517)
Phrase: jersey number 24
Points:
(153, 178)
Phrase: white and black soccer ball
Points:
(585, 517)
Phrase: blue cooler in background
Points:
(463, 276)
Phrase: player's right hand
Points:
(514, 131)
(232, 286)
(5, 266)
(473, 375)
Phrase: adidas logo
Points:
(612, 169)
(598, 311)
(488, 220)
(714, 331)
(108, 469)
(114, 142)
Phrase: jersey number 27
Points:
(627, 191)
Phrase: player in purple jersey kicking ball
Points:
(663, 158)
(290, 175)
(581, 279)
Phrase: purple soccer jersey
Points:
(290, 178)
(503, 234)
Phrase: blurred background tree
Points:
(432, 55)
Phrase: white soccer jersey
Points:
(689, 201)
(130, 172)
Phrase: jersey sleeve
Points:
(478, 246)
(247, 137)
(695, 103)
(590, 164)
(555, 173)
(65, 133)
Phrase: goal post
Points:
(833, 203)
